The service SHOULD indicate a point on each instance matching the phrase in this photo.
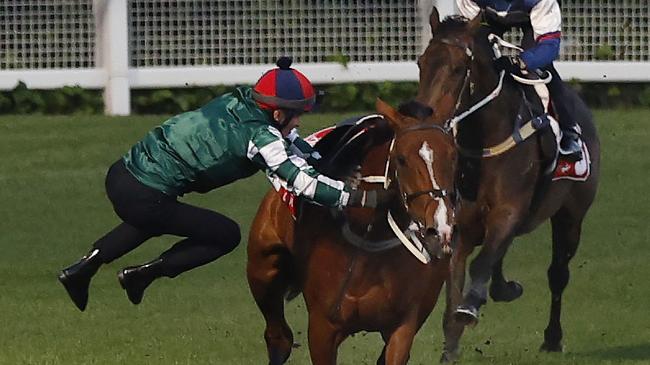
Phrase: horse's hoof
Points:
(546, 347)
(279, 357)
(466, 315)
(506, 292)
(449, 357)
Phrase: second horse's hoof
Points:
(506, 291)
(466, 315)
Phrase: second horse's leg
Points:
(500, 289)
(566, 237)
(452, 328)
(499, 231)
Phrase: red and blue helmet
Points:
(284, 88)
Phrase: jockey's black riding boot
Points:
(135, 279)
(76, 278)
(570, 145)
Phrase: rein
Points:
(407, 237)
(518, 135)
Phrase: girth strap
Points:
(518, 136)
(366, 245)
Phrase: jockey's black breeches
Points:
(562, 102)
(147, 213)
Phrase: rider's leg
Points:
(210, 235)
(570, 145)
(122, 239)
(146, 213)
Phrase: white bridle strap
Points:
(419, 252)
(491, 96)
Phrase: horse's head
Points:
(422, 163)
(446, 64)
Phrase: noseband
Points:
(434, 193)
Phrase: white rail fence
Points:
(118, 45)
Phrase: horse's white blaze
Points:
(440, 216)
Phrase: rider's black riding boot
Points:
(135, 279)
(570, 145)
(76, 278)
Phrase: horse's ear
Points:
(393, 117)
(434, 20)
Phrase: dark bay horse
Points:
(353, 273)
(505, 192)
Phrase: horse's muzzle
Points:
(438, 243)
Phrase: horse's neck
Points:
(493, 122)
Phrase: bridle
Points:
(468, 66)
(451, 123)
(434, 192)
(409, 238)
(520, 132)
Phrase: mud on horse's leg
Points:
(269, 280)
(566, 238)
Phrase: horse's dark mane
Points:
(452, 23)
(415, 109)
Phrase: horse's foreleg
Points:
(453, 329)
(269, 279)
(499, 232)
(500, 289)
(566, 237)
(398, 347)
(324, 339)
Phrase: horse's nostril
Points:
(431, 232)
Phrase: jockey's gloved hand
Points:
(370, 198)
(510, 64)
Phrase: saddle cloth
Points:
(564, 169)
(577, 171)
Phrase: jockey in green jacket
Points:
(228, 139)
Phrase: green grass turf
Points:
(53, 206)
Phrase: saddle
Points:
(560, 167)
(341, 147)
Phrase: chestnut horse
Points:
(353, 273)
(504, 194)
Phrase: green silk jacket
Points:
(228, 139)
